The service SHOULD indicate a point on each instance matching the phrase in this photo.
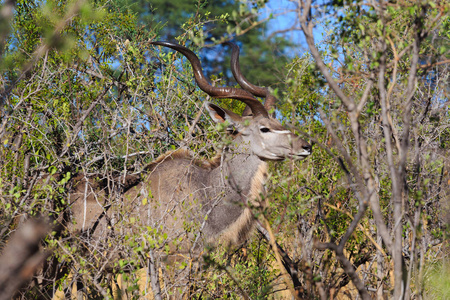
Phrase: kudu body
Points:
(200, 201)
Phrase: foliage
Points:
(84, 94)
(379, 124)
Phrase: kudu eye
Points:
(264, 129)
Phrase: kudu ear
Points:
(220, 115)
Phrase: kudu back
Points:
(188, 202)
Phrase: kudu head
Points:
(265, 135)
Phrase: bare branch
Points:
(348, 267)
(154, 278)
(22, 257)
(354, 171)
(307, 31)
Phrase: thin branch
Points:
(396, 196)
(230, 274)
(197, 117)
(283, 270)
(354, 171)
(287, 262)
(78, 125)
(79, 267)
(365, 96)
(389, 93)
(307, 31)
(366, 233)
(431, 65)
(349, 269)
(42, 49)
(154, 278)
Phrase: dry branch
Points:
(22, 257)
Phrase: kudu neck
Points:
(244, 171)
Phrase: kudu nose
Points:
(307, 147)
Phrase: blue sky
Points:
(284, 18)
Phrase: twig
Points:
(154, 278)
(286, 261)
(348, 267)
(307, 31)
(42, 49)
(197, 117)
(278, 258)
(367, 234)
(78, 125)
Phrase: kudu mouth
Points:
(306, 151)
(299, 156)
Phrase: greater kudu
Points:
(193, 200)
